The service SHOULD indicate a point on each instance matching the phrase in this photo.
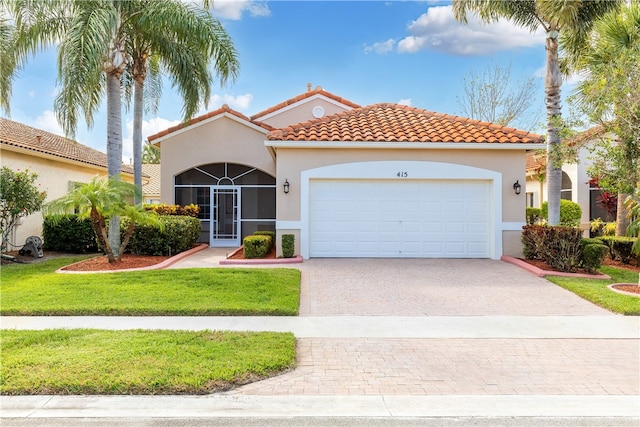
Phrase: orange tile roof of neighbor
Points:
(28, 138)
(400, 123)
(224, 109)
(309, 93)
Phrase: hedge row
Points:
(564, 248)
(70, 234)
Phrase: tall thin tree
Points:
(551, 16)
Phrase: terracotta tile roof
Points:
(399, 123)
(153, 186)
(224, 109)
(28, 138)
(536, 161)
(317, 91)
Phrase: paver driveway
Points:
(447, 366)
(431, 287)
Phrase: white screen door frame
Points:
(225, 216)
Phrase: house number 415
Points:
(402, 174)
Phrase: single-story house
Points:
(577, 185)
(58, 161)
(383, 180)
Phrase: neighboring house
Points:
(383, 180)
(151, 189)
(577, 185)
(58, 161)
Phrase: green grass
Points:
(83, 361)
(597, 292)
(36, 290)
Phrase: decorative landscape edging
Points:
(543, 273)
(620, 291)
(164, 264)
(258, 261)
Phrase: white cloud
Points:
(149, 127)
(438, 30)
(238, 102)
(381, 47)
(234, 9)
(405, 101)
(47, 121)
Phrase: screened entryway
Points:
(235, 201)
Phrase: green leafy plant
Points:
(570, 213)
(288, 245)
(19, 197)
(68, 233)
(621, 248)
(270, 234)
(98, 200)
(256, 246)
(557, 246)
(534, 215)
(593, 254)
(602, 228)
(163, 209)
(174, 235)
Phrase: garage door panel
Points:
(379, 218)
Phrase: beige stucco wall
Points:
(54, 177)
(217, 141)
(302, 112)
(509, 163)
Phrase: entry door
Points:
(225, 225)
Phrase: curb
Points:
(227, 261)
(164, 264)
(543, 273)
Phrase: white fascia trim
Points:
(304, 101)
(288, 225)
(209, 120)
(415, 170)
(404, 145)
(513, 226)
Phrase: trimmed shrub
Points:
(180, 234)
(557, 246)
(620, 248)
(533, 239)
(68, 233)
(256, 246)
(562, 248)
(163, 209)
(271, 234)
(593, 255)
(288, 245)
(570, 213)
(534, 215)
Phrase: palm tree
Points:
(97, 200)
(552, 16)
(610, 96)
(191, 39)
(97, 43)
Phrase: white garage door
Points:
(400, 219)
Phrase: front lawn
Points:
(83, 361)
(597, 292)
(36, 290)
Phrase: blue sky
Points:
(410, 52)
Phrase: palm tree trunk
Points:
(622, 222)
(137, 135)
(114, 145)
(553, 80)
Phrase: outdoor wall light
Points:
(517, 187)
(286, 186)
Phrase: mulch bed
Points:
(101, 263)
(240, 254)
